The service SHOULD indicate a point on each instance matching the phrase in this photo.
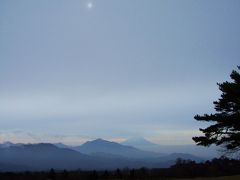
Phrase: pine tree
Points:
(225, 128)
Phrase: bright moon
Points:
(89, 5)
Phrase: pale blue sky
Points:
(120, 69)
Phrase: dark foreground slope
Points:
(223, 168)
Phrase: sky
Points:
(76, 70)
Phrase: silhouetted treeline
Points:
(182, 169)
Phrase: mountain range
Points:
(98, 154)
(100, 146)
(143, 144)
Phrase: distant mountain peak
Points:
(101, 142)
(138, 141)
